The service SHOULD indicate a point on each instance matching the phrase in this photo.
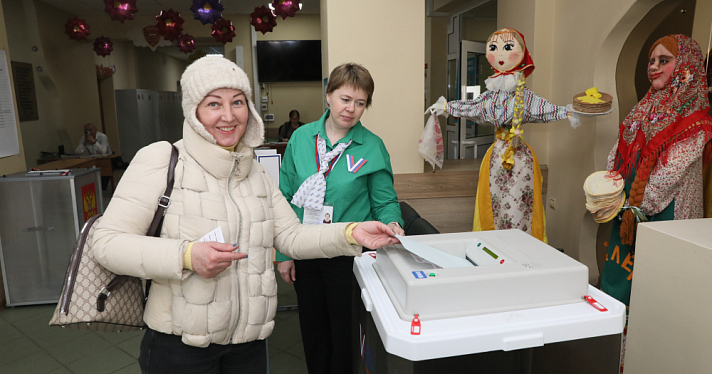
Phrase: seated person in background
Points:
(286, 130)
(93, 141)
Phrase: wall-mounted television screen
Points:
(289, 60)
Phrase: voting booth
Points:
(492, 302)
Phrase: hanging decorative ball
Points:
(186, 43)
(263, 20)
(103, 46)
(120, 10)
(223, 30)
(77, 29)
(170, 24)
(285, 8)
(207, 11)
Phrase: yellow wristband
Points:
(187, 263)
(349, 231)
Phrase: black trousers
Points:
(323, 288)
(164, 353)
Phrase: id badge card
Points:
(319, 217)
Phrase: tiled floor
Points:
(29, 346)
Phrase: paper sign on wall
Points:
(9, 142)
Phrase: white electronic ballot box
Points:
(501, 300)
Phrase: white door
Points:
(473, 139)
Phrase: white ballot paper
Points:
(213, 236)
(434, 255)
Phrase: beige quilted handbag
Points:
(93, 298)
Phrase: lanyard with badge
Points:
(311, 193)
(326, 213)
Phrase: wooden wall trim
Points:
(446, 199)
(436, 185)
(442, 184)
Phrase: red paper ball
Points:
(223, 30)
(103, 46)
(263, 20)
(120, 10)
(186, 43)
(285, 8)
(170, 24)
(77, 29)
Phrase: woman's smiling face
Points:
(504, 52)
(224, 114)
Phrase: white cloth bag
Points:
(430, 144)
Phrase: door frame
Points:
(468, 46)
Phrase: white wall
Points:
(386, 37)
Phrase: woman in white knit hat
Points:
(211, 304)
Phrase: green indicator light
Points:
(490, 252)
(432, 274)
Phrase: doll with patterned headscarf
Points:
(661, 150)
(509, 188)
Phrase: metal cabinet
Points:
(145, 117)
(170, 115)
(40, 218)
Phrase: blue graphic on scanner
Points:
(419, 274)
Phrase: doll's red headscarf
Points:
(669, 114)
(675, 112)
(527, 64)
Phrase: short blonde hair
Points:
(353, 75)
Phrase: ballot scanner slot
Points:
(449, 254)
(481, 253)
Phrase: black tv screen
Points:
(289, 60)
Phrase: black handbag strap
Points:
(153, 230)
(165, 200)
